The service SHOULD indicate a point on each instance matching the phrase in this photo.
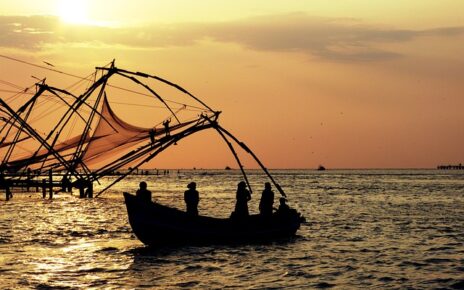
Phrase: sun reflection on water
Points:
(363, 231)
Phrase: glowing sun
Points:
(73, 11)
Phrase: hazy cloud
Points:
(27, 32)
(336, 39)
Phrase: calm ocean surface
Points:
(366, 229)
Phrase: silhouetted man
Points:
(192, 198)
(166, 127)
(241, 204)
(143, 193)
(152, 135)
(283, 207)
(267, 201)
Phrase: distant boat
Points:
(451, 167)
(227, 168)
(320, 168)
(155, 224)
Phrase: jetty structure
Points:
(62, 138)
(451, 167)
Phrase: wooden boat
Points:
(156, 224)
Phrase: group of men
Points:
(192, 198)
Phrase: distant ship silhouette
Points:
(451, 167)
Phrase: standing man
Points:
(267, 201)
(241, 204)
(192, 198)
(166, 127)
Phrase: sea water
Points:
(366, 229)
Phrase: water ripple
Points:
(381, 230)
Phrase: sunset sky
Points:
(346, 84)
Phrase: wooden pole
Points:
(90, 190)
(50, 185)
(7, 192)
(44, 188)
(33, 133)
(36, 184)
(241, 144)
(151, 91)
(28, 179)
(80, 186)
(236, 158)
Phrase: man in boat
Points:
(267, 201)
(192, 198)
(143, 193)
(241, 205)
(285, 211)
(283, 204)
(283, 207)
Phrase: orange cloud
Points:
(326, 38)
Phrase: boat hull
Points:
(155, 224)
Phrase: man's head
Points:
(267, 185)
(192, 185)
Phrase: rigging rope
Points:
(113, 102)
(91, 79)
(11, 84)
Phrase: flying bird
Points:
(47, 63)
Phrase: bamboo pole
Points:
(151, 91)
(231, 147)
(37, 136)
(50, 184)
(241, 144)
